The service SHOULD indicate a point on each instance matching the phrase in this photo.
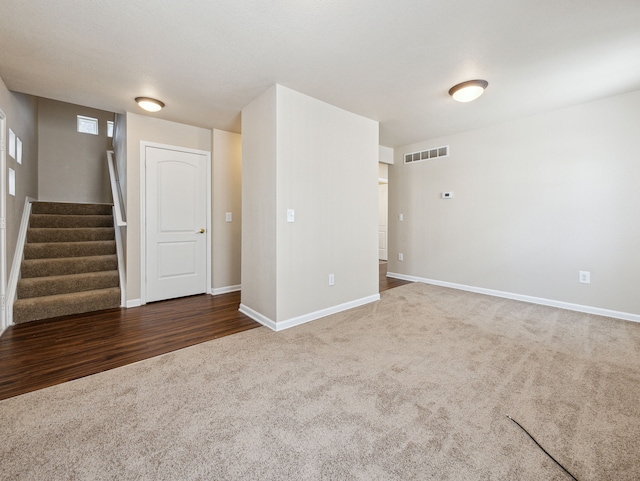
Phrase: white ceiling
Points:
(392, 61)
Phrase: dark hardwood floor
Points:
(388, 282)
(39, 354)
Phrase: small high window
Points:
(109, 128)
(87, 125)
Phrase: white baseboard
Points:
(224, 290)
(256, 316)
(627, 316)
(296, 321)
(134, 303)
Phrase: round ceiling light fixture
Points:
(149, 104)
(468, 91)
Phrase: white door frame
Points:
(3, 222)
(143, 211)
(384, 182)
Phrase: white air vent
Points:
(435, 153)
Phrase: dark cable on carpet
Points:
(544, 450)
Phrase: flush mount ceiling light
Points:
(149, 104)
(468, 91)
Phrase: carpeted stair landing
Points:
(70, 263)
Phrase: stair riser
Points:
(50, 286)
(25, 310)
(62, 208)
(70, 249)
(66, 266)
(70, 221)
(69, 235)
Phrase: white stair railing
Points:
(120, 222)
(116, 191)
(14, 275)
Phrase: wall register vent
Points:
(427, 154)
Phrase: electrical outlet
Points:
(331, 279)
(401, 217)
(585, 277)
(400, 256)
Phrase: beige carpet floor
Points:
(416, 386)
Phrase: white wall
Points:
(383, 171)
(325, 162)
(535, 201)
(259, 205)
(385, 154)
(227, 197)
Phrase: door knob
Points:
(202, 231)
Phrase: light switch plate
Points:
(291, 215)
(228, 217)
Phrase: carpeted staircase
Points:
(70, 263)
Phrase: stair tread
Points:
(81, 275)
(80, 216)
(70, 295)
(70, 208)
(64, 284)
(45, 229)
(69, 221)
(94, 242)
(46, 307)
(65, 276)
(59, 259)
(48, 250)
(69, 234)
(54, 266)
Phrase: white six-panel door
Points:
(176, 217)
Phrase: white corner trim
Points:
(224, 290)
(312, 316)
(134, 303)
(627, 316)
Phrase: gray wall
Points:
(72, 165)
(535, 201)
(22, 117)
(120, 151)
